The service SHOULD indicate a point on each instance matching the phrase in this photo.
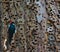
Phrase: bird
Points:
(11, 31)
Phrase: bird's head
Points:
(11, 22)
